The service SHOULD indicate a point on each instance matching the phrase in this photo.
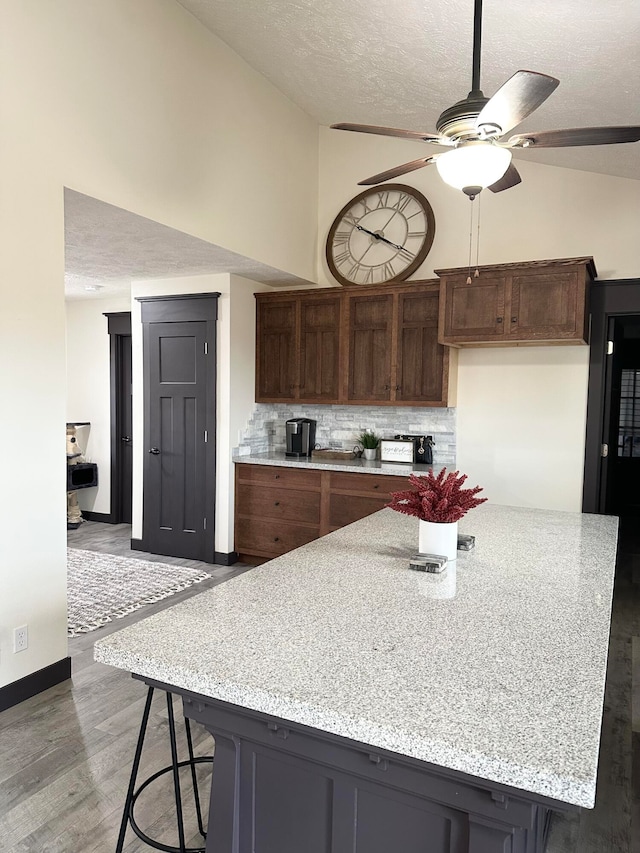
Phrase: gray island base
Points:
(359, 707)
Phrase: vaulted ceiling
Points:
(402, 62)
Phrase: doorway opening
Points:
(612, 457)
(622, 427)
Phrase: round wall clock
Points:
(382, 235)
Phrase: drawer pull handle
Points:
(277, 503)
(276, 538)
(377, 486)
(277, 476)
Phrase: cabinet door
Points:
(276, 351)
(319, 348)
(544, 306)
(370, 348)
(473, 312)
(420, 367)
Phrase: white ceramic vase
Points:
(370, 452)
(438, 538)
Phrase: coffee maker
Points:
(301, 436)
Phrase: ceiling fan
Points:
(473, 131)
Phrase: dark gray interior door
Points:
(174, 505)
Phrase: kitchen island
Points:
(360, 706)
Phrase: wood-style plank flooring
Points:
(65, 755)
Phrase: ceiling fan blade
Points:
(399, 170)
(575, 136)
(389, 131)
(514, 101)
(511, 178)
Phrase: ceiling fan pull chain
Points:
(477, 272)
(470, 243)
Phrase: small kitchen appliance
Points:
(301, 437)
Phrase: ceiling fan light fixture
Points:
(473, 164)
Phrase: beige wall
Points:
(521, 411)
(138, 105)
(89, 387)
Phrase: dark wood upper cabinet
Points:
(298, 347)
(422, 363)
(276, 355)
(369, 349)
(540, 302)
(319, 348)
(358, 345)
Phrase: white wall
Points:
(137, 104)
(89, 388)
(235, 383)
(521, 424)
(521, 411)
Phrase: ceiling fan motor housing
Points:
(459, 121)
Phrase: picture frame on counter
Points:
(396, 450)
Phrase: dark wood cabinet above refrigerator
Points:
(539, 302)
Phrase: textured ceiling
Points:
(106, 247)
(402, 62)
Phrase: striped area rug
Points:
(103, 587)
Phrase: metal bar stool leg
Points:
(134, 772)
(176, 779)
(194, 781)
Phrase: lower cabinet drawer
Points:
(375, 484)
(280, 476)
(343, 509)
(271, 537)
(285, 504)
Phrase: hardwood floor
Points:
(65, 755)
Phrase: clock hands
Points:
(380, 237)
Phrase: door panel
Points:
(475, 310)
(174, 493)
(544, 306)
(276, 330)
(370, 347)
(319, 348)
(420, 356)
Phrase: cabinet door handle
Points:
(155, 451)
(377, 486)
(514, 319)
(398, 388)
(387, 387)
(498, 319)
(277, 476)
(277, 503)
(276, 538)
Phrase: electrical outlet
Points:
(20, 638)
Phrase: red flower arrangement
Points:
(441, 499)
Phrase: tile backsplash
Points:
(338, 426)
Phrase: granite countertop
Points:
(495, 668)
(356, 465)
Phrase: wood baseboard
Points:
(36, 682)
(221, 558)
(104, 517)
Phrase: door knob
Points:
(155, 451)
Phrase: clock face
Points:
(382, 235)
